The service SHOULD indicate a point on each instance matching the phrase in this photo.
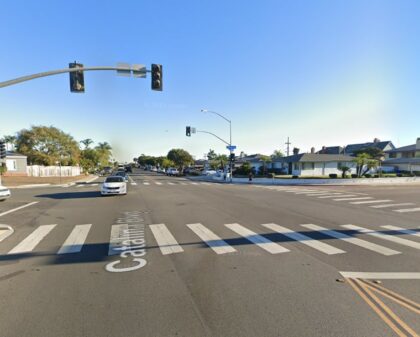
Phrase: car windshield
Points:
(114, 180)
(210, 168)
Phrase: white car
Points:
(208, 172)
(172, 172)
(114, 185)
(4, 193)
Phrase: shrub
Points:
(368, 175)
(333, 175)
(376, 176)
(295, 177)
(354, 175)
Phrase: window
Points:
(393, 155)
(296, 166)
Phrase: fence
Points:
(53, 171)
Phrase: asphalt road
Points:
(177, 257)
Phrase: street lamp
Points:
(230, 136)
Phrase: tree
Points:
(344, 170)
(180, 157)
(265, 160)
(10, 141)
(89, 159)
(370, 164)
(86, 142)
(46, 145)
(211, 155)
(166, 163)
(361, 160)
(372, 152)
(104, 152)
(277, 154)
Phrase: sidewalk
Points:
(27, 182)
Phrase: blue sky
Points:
(320, 72)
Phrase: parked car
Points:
(4, 193)
(208, 172)
(122, 174)
(114, 185)
(161, 170)
(128, 169)
(172, 172)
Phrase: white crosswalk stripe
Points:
(146, 183)
(169, 183)
(116, 238)
(165, 240)
(384, 236)
(407, 210)
(203, 183)
(341, 195)
(369, 202)
(402, 230)
(194, 183)
(392, 205)
(75, 240)
(257, 239)
(355, 241)
(349, 199)
(318, 194)
(158, 183)
(218, 245)
(31, 241)
(306, 240)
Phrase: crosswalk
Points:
(241, 237)
(156, 183)
(352, 198)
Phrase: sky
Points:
(320, 72)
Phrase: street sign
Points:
(193, 130)
(231, 147)
(126, 71)
(139, 70)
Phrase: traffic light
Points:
(77, 80)
(157, 77)
(232, 157)
(188, 131)
(2, 149)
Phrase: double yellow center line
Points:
(366, 291)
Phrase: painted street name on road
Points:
(128, 240)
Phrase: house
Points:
(16, 164)
(405, 158)
(314, 164)
(255, 160)
(352, 148)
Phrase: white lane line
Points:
(257, 239)
(169, 183)
(402, 230)
(381, 276)
(392, 205)
(5, 232)
(355, 241)
(298, 191)
(341, 195)
(158, 183)
(205, 183)
(116, 239)
(306, 240)
(348, 199)
(193, 183)
(165, 240)
(407, 210)
(384, 236)
(369, 202)
(309, 192)
(212, 240)
(18, 208)
(30, 242)
(182, 183)
(75, 240)
(146, 183)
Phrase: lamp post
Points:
(230, 136)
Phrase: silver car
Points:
(4, 193)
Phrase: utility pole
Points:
(288, 146)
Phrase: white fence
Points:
(53, 171)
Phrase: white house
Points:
(314, 164)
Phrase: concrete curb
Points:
(341, 182)
(29, 186)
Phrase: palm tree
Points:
(104, 150)
(86, 142)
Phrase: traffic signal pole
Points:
(62, 71)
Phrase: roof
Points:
(393, 161)
(314, 158)
(331, 150)
(408, 148)
(355, 147)
(10, 154)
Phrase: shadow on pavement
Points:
(71, 195)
